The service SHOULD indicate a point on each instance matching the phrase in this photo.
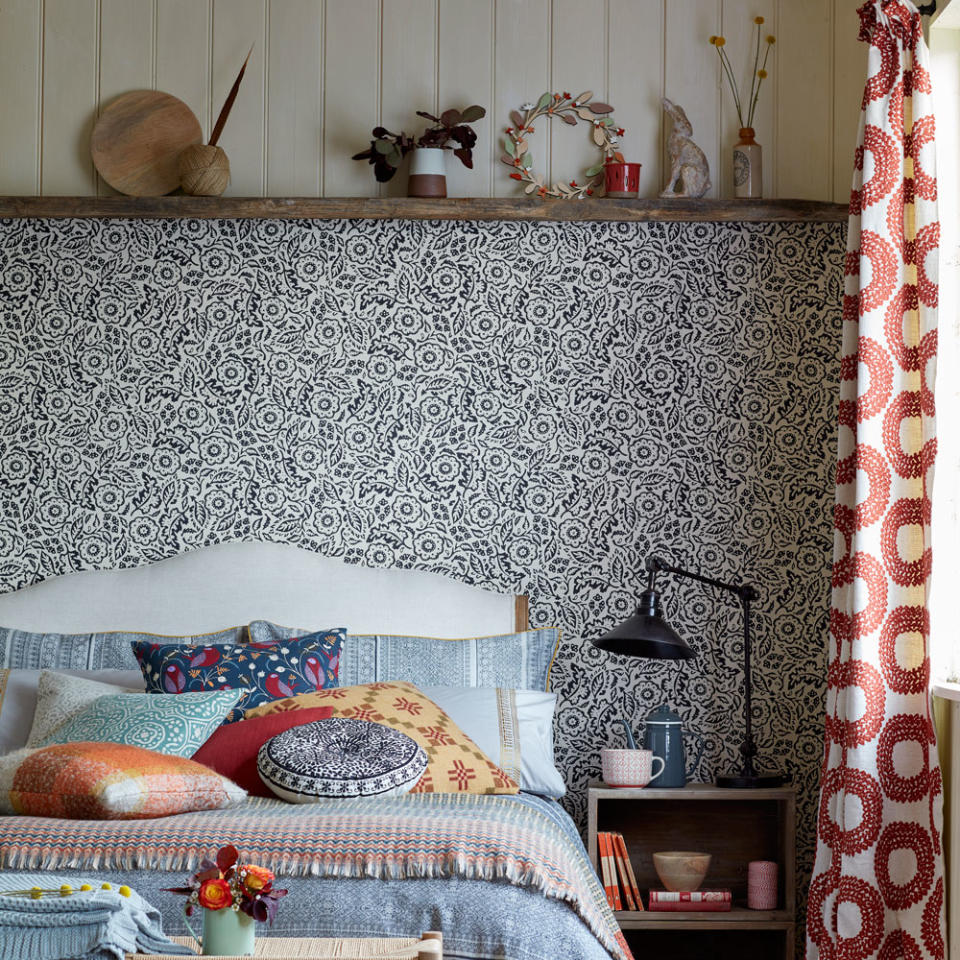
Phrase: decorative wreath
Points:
(606, 135)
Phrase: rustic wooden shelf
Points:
(735, 826)
(411, 208)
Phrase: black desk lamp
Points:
(645, 634)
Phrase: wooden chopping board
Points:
(137, 140)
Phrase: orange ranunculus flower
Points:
(255, 878)
(215, 894)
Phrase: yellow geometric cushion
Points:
(455, 764)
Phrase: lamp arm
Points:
(655, 565)
(746, 593)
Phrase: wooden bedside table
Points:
(735, 827)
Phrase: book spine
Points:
(612, 867)
(679, 906)
(604, 863)
(686, 896)
(622, 872)
(621, 846)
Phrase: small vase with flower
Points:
(747, 153)
(232, 896)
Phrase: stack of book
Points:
(615, 862)
(672, 901)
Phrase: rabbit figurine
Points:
(689, 170)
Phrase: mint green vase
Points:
(226, 933)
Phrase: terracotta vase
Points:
(747, 166)
(428, 172)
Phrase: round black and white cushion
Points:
(340, 758)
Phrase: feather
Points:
(228, 103)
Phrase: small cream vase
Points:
(226, 933)
(747, 166)
(428, 172)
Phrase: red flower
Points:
(254, 878)
(573, 183)
(589, 193)
(215, 894)
(515, 176)
(509, 129)
(620, 131)
(566, 96)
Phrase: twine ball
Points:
(204, 170)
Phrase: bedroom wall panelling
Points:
(531, 407)
(324, 72)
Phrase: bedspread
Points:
(522, 840)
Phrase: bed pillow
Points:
(268, 670)
(108, 781)
(519, 661)
(175, 724)
(512, 727)
(340, 757)
(232, 749)
(23, 650)
(60, 696)
(18, 699)
(455, 764)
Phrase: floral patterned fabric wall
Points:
(528, 407)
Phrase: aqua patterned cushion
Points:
(268, 671)
(176, 724)
(23, 650)
(520, 661)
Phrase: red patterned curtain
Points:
(877, 888)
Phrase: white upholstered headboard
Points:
(234, 583)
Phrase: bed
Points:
(503, 877)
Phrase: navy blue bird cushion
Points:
(267, 671)
(340, 757)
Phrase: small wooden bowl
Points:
(681, 869)
(204, 170)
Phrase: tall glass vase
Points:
(747, 166)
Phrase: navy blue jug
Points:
(663, 734)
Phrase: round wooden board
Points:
(137, 140)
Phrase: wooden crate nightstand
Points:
(735, 826)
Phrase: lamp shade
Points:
(645, 634)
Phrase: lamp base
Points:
(757, 781)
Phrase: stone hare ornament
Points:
(689, 170)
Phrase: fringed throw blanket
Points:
(520, 840)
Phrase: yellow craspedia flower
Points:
(713, 39)
(105, 886)
(720, 41)
(35, 893)
(124, 891)
(762, 74)
(758, 20)
(66, 890)
(85, 887)
(771, 39)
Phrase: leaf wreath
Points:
(606, 135)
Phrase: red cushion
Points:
(232, 750)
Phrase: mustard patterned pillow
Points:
(455, 764)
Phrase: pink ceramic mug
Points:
(629, 768)
(622, 179)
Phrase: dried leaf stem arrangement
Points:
(757, 77)
(606, 135)
(388, 149)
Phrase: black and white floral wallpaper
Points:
(530, 407)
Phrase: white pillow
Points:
(18, 699)
(514, 728)
(61, 697)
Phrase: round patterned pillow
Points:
(340, 757)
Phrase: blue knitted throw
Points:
(89, 925)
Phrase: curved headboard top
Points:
(233, 583)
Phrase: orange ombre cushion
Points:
(108, 781)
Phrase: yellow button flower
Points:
(771, 39)
(758, 20)
(85, 887)
(35, 893)
(105, 886)
(66, 890)
(124, 891)
(762, 74)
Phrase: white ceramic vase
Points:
(428, 172)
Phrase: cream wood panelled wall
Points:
(324, 72)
